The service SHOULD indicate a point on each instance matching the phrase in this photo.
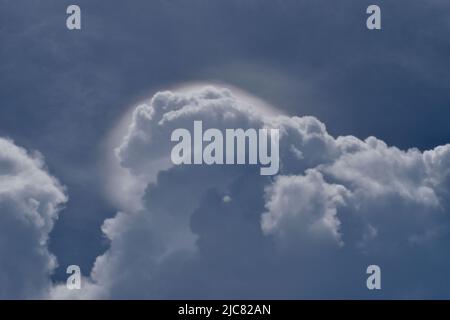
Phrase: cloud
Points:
(357, 83)
(337, 205)
(30, 200)
(304, 205)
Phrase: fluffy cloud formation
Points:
(305, 205)
(30, 200)
(337, 205)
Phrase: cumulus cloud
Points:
(30, 200)
(304, 205)
(337, 205)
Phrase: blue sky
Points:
(63, 92)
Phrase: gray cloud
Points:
(30, 200)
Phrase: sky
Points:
(72, 104)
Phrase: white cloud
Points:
(304, 205)
(337, 204)
(30, 199)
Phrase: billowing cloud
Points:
(304, 205)
(336, 206)
(30, 199)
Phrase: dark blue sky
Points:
(62, 91)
